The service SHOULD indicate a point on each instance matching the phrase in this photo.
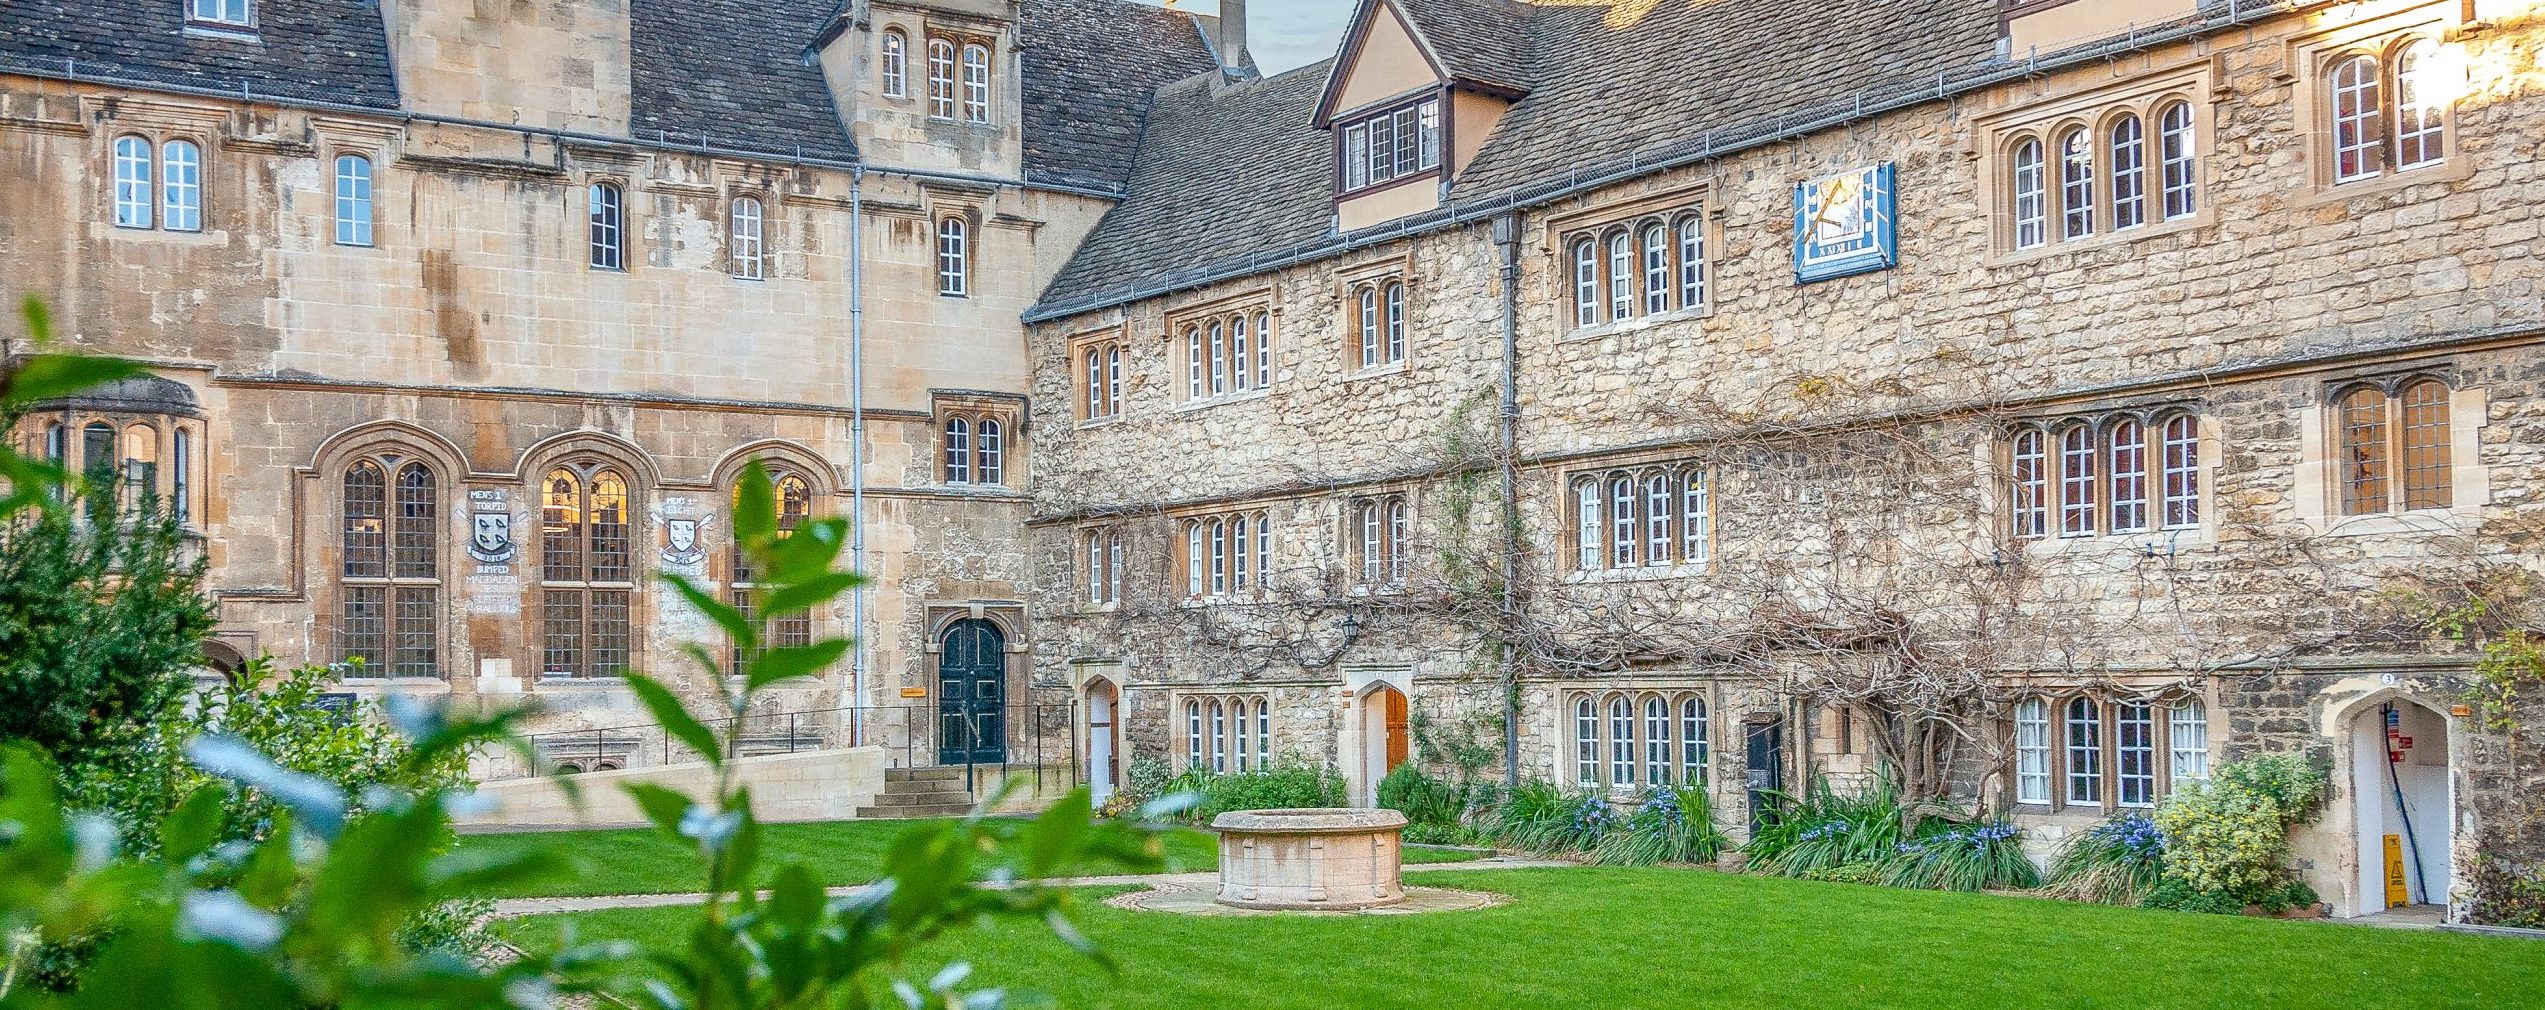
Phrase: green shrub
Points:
(1671, 826)
(1961, 858)
(1823, 828)
(1283, 786)
(1420, 797)
(2227, 839)
(1549, 820)
(1446, 834)
(2117, 862)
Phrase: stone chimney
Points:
(1229, 36)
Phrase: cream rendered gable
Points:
(1387, 64)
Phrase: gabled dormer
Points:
(1413, 95)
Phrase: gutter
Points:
(857, 453)
(1506, 234)
(69, 72)
(1714, 145)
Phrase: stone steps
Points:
(919, 792)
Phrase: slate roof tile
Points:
(325, 50)
(1482, 41)
(1090, 68)
(732, 73)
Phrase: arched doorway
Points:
(1386, 740)
(2405, 806)
(972, 694)
(1104, 762)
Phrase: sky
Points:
(1285, 33)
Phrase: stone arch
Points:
(2413, 795)
(794, 456)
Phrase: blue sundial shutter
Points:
(1886, 211)
(1803, 195)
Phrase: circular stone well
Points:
(1311, 858)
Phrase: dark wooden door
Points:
(972, 694)
(1400, 734)
(1766, 765)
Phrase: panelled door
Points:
(1766, 765)
(972, 694)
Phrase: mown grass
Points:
(643, 861)
(1580, 939)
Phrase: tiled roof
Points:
(1090, 68)
(1224, 167)
(1610, 85)
(325, 50)
(1480, 41)
(732, 73)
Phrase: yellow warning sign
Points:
(2396, 895)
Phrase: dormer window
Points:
(1389, 145)
(232, 14)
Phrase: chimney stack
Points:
(1231, 39)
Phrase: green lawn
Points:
(642, 861)
(1610, 938)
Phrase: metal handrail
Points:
(919, 742)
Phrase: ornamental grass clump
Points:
(2227, 839)
(1823, 829)
(2117, 862)
(1671, 826)
(1548, 820)
(1962, 858)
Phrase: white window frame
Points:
(894, 64)
(1695, 743)
(2032, 198)
(606, 210)
(180, 185)
(2134, 777)
(2358, 109)
(2076, 184)
(2127, 476)
(2032, 751)
(954, 257)
(1621, 741)
(2178, 159)
(2187, 740)
(746, 226)
(2178, 450)
(2083, 738)
(354, 200)
(2128, 157)
(976, 83)
(941, 101)
(136, 182)
(222, 13)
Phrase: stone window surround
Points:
(158, 132)
(923, 33)
(2144, 95)
(1350, 540)
(1084, 544)
(972, 408)
(321, 520)
(164, 430)
(1397, 268)
(2314, 487)
(1262, 551)
(2155, 537)
(2162, 697)
(767, 254)
(1111, 347)
(1568, 524)
(1255, 303)
(1698, 198)
(1249, 713)
(1674, 696)
(2307, 62)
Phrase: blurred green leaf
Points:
(662, 805)
(726, 616)
(52, 376)
(780, 665)
(675, 718)
(195, 825)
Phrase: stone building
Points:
(2043, 401)
(2046, 401)
(463, 319)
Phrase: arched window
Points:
(97, 452)
(958, 451)
(1696, 517)
(140, 466)
(794, 500)
(1194, 559)
(608, 212)
(181, 186)
(1096, 382)
(1694, 745)
(1240, 553)
(1263, 734)
(1196, 362)
(2187, 729)
(2427, 471)
(2357, 119)
(1263, 548)
(743, 238)
(1586, 525)
(1661, 499)
(1621, 742)
(1657, 286)
(2360, 419)
(1585, 743)
(2176, 151)
(954, 258)
(1241, 355)
(2076, 184)
(1395, 321)
(135, 192)
(1113, 567)
(895, 63)
(1621, 275)
(2129, 476)
(1370, 323)
(991, 453)
(2180, 444)
(1113, 379)
(1692, 262)
(940, 79)
(1372, 555)
(389, 606)
(1219, 358)
(1398, 531)
(2076, 481)
(1195, 756)
(1240, 740)
(1219, 736)
(2031, 498)
(587, 571)
(2085, 751)
(1263, 350)
(1097, 577)
(1622, 494)
(1219, 556)
(2420, 104)
(976, 83)
(2032, 215)
(2134, 757)
(1656, 740)
(353, 200)
(181, 475)
(2129, 168)
(1585, 283)
(2032, 751)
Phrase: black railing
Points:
(912, 736)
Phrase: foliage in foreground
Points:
(2116, 862)
(2227, 839)
(1289, 783)
(1671, 825)
(1823, 829)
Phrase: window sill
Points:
(1384, 589)
(430, 685)
(2147, 543)
(1377, 371)
(1640, 573)
(2102, 240)
(1636, 324)
(1217, 399)
(547, 683)
(2455, 169)
(223, 32)
(1099, 608)
(2458, 520)
(1106, 421)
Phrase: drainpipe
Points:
(857, 450)
(1506, 234)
